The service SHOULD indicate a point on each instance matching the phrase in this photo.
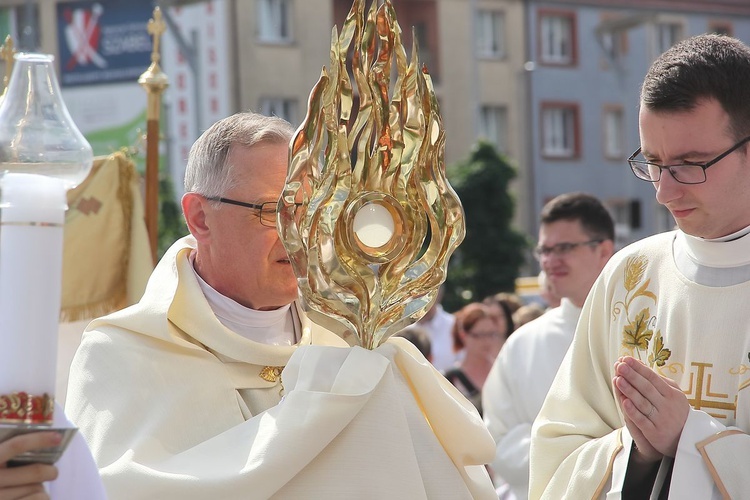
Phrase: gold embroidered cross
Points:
(702, 380)
(156, 28)
(89, 205)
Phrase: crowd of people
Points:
(633, 382)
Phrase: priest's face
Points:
(574, 261)
(719, 206)
(244, 259)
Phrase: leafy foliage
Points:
(637, 334)
(489, 259)
(660, 354)
(171, 222)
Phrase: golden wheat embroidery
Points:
(638, 333)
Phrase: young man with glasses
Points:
(653, 399)
(180, 396)
(576, 239)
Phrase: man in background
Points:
(576, 239)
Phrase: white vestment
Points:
(78, 477)
(680, 304)
(440, 329)
(517, 385)
(175, 405)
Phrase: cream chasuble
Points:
(155, 391)
(680, 305)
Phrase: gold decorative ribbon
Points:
(24, 408)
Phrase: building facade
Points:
(552, 83)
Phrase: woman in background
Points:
(480, 330)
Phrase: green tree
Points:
(489, 259)
(171, 222)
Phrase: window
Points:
(667, 34)
(557, 43)
(490, 34)
(274, 21)
(614, 44)
(560, 130)
(664, 219)
(21, 22)
(613, 133)
(277, 106)
(626, 214)
(493, 126)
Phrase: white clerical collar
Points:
(739, 234)
(729, 251)
(275, 327)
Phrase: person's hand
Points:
(644, 453)
(655, 408)
(25, 482)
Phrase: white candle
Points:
(32, 214)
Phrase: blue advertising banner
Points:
(103, 42)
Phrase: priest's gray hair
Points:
(208, 170)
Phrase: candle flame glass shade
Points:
(371, 245)
(37, 134)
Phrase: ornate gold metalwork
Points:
(155, 82)
(271, 373)
(383, 168)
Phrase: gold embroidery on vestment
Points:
(700, 387)
(271, 373)
(638, 334)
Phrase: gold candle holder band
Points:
(24, 408)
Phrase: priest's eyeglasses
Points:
(685, 173)
(266, 211)
(561, 248)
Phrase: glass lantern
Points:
(37, 134)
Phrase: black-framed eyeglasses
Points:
(685, 173)
(266, 210)
(562, 248)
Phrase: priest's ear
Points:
(195, 207)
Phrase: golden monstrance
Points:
(367, 216)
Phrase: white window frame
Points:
(559, 129)
(556, 39)
(614, 131)
(666, 34)
(490, 34)
(282, 107)
(274, 21)
(493, 125)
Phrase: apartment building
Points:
(589, 59)
(552, 83)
